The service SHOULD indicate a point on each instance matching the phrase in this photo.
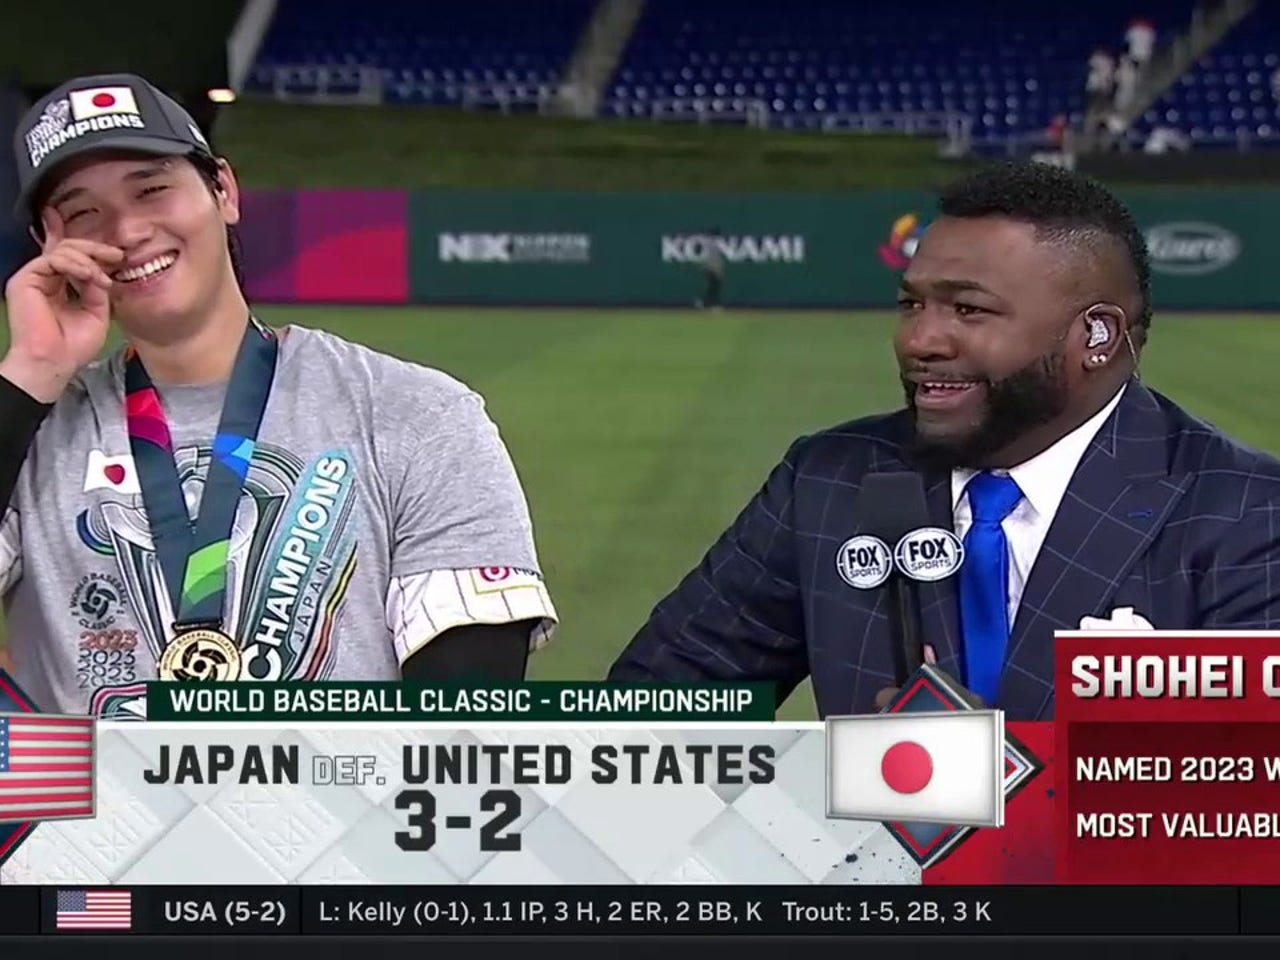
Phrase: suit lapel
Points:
(1118, 499)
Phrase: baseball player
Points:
(218, 499)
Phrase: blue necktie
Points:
(984, 583)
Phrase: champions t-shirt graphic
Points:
(378, 510)
(291, 558)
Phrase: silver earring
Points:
(1097, 358)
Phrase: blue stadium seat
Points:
(1006, 63)
(1009, 65)
(426, 52)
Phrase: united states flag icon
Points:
(94, 910)
(46, 767)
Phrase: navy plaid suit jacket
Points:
(1165, 514)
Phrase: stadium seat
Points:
(1005, 63)
(434, 53)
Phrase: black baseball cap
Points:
(112, 111)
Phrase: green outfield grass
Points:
(640, 435)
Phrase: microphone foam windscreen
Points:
(892, 504)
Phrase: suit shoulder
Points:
(1199, 447)
(865, 442)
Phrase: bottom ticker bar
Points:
(607, 911)
(771, 911)
(19, 911)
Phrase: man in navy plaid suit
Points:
(1078, 491)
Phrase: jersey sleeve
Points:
(10, 551)
(423, 606)
(462, 546)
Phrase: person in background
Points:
(1100, 83)
(1127, 76)
(1056, 132)
(1141, 37)
(1164, 140)
(712, 271)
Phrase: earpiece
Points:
(1099, 333)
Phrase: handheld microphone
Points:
(895, 512)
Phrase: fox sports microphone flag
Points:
(917, 767)
(46, 767)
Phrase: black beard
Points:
(1022, 401)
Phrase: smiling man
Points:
(218, 499)
(1077, 490)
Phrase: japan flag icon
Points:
(945, 767)
(86, 104)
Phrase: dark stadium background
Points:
(640, 425)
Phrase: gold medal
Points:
(200, 655)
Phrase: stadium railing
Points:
(748, 112)
(539, 98)
(316, 84)
(955, 128)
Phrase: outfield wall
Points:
(1210, 248)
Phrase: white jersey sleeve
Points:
(462, 548)
(10, 552)
(422, 606)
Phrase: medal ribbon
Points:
(193, 555)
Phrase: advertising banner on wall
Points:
(1208, 248)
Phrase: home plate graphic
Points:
(46, 767)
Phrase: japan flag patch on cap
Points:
(100, 101)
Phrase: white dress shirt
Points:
(1043, 480)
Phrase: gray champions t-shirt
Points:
(381, 508)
